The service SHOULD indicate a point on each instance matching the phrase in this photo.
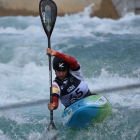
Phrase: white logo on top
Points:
(43, 17)
(61, 65)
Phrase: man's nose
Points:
(61, 72)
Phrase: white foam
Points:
(32, 29)
(77, 25)
(129, 97)
(18, 84)
(2, 136)
(42, 136)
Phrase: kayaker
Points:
(69, 85)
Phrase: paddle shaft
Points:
(50, 79)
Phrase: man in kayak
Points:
(69, 85)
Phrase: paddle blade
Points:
(48, 14)
(51, 126)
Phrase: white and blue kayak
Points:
(86, 112)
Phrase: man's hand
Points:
(51, 52)
(51, 106)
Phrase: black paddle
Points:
(48, 14)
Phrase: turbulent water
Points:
(109, 53)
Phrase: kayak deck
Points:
(85, 112)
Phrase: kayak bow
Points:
(86, 112)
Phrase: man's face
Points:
(61, 74)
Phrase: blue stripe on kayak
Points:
(82, 117)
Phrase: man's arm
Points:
(54, 105)
(55, 94)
